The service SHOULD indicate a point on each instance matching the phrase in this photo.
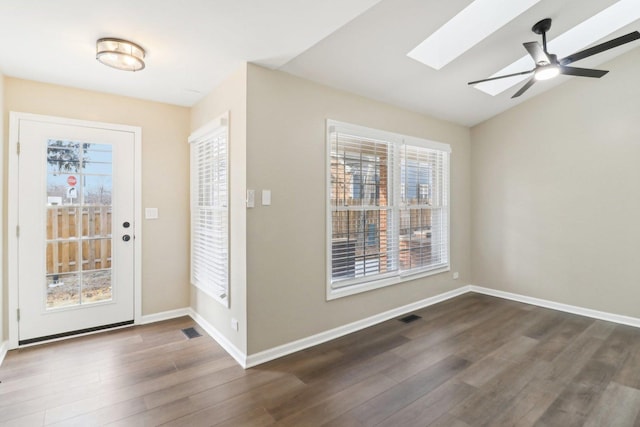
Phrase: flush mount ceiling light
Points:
(120, 54)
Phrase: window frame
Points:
(395, 142)
(214, 129)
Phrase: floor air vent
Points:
(191, 333)
(410, 318)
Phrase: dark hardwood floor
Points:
(470, 361)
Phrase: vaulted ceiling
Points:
(357, 45)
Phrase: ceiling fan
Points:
(549, 66)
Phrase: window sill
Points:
(382, 283)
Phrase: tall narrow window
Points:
(210, 209)
(388, 208)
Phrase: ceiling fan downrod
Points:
(541, 28)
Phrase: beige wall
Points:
(556, 194)
(230, 96)
(4, 322)
(545, 196)
(165, 175)
(286, 249)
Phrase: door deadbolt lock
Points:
(126, 224)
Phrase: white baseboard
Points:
(301, 344)
(587, 312)
(4, 348)
(227, 345)
(165, 315)
(304, 343)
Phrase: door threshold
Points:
(71, 334)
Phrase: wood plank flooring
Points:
(470, 361)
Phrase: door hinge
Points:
(18, 312)
(18, 148)
(17, 231)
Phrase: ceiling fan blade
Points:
(524, 88)
(536, 52)
(600, 48)
(582, 72)
(522, 73)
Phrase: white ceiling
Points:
(357, 45)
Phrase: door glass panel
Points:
(79, 189)
(62, 256)
(63, 290)
(96, 286)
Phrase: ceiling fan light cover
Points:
(547, 72)
(120, 54)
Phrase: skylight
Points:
(469, 27)
(620, 14)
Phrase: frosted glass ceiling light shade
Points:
(120, 54)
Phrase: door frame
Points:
(12, 211)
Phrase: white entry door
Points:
(75, 244)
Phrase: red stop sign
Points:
(71, 180)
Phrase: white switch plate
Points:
(151, 213)
(455, 275)
(234, 324)
(266, 197)
(251, 198)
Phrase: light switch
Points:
(266, 197)
(251, 198)
(151, 213)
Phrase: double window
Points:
(210, 209)
(388, 208)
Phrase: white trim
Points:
(137, 215)
(304, 343)
(365, 285)
(12, 221)
(4, 348)
(301, 344)
(12, 203)
(567, 308)
(218, 127)
(385, 136)
(395, 142)
(328, 246)
(219, 124)
(227, 345)
(164, 315)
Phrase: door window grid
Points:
(78, 245)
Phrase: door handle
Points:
(126, 237)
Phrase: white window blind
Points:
(424, 209)
(210, 209)
(388, 206)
